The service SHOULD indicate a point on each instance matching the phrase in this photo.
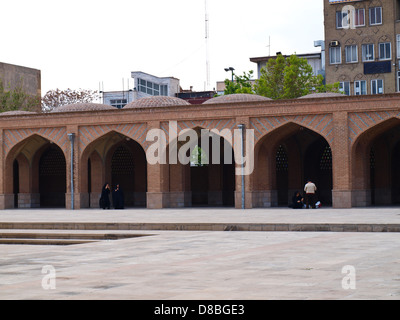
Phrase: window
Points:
(152, 89)
(335, 55)
(118, 103)
(398, 81)
(360, 87)
(377, 86)
(351, 54)
(359, 17)
(342, 19)
(385, 52)
(345, 87)
(375, 16)
(398, 46)
(368, 52)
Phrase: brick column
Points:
(157, 196)
(341, 193)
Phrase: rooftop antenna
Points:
(207, 48)
(269, 46)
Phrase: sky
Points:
(96, 44)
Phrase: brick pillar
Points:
(341, 193)
(157, 196)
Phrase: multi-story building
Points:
(118, 99)
(29, 79)
(145, 85)
(313, 59)
(148, 85)
(363, 45)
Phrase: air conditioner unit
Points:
(334, 43)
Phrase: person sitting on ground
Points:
(297, 201)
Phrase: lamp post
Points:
(71, 137)
(242, 128)
(230, 69)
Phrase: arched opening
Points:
(375, 162)
(213, 183)
(35, 174)
(285, 159)
(208, 177)
(52, 177)
(115, 159)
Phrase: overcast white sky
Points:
(81, 43)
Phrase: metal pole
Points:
(71, 137)
(241, 127)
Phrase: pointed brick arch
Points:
(96, 162)
(57, 135)
(304, 148)
(89, 134)
(319, 123)
(374, 162)
(360, 122)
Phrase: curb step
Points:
(284, 227)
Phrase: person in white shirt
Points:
(310, 189)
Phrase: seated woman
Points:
(297, 201)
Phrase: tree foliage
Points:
(241, 84)
(290, 78)
(56, 98)
(12, 99)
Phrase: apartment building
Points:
(363, 45)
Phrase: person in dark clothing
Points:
(297, 201)
(118, 197)
(105, 197)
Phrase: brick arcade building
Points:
(349, 146)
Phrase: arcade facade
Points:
(349, 146)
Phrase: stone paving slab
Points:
(384, 215)
(204, 265)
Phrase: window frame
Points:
(343, 85)
(356, 14)
(385, 50)
(360, 82)
(346, 52)
(340, 17)
(339, 48)
(363, 56)
(375, 15)
(376, 81)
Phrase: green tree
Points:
(241, 84)
(12, 99)
(198, 157)
(290, 78)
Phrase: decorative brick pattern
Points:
(218, 124)
(359, 122)
(57, 135)
(88, 134)
(320, 123)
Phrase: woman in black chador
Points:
(297, 201)
(105, 197)
(118, 198)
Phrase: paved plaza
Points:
(204, 264)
